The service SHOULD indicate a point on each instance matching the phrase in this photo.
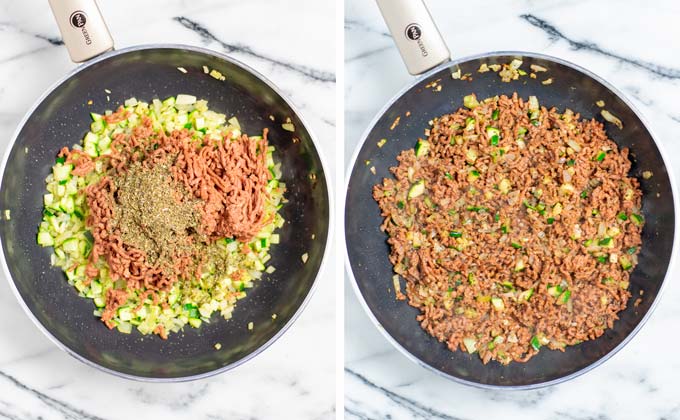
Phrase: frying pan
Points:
(61, 118)
(573, 87)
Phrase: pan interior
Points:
(368, 251)
(62, 118)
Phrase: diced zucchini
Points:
(470, 344)
(566, 189)
(470, 156)
(422, 147)
(91, 150)
(564, 297)
(470, 101)
(557, 209)
(555, 291)
(169, 102)
(104, 143)
(45, 239)
(199, 123)
(417, 189)
(469, 124)
(173, 296)
(471, 279)
(90, 137)
(70, 245)
(625, 262)
(637, 219)
(233, 121)
(605, 242)
(498, 303)
(124, 327)
(535, 343)
(493, 134)
(96, 288)
(67, 204)
(62, 172)
(125, 313)
(504, 186)
(534, 108)
(527, 294)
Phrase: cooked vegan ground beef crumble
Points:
(515, 227)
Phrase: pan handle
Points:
(82, 27)
(415, 33)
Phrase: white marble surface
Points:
(292, 44)
(635, 46)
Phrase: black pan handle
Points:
(415, 33)
(83, 28)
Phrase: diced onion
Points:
(611, 118)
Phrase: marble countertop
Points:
(291, 45)
(632, 45)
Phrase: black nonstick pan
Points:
(573, 87)
(61, 118)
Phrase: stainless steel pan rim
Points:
(676, 233)
(324, 165)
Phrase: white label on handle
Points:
(82, 27)
(414, 32)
